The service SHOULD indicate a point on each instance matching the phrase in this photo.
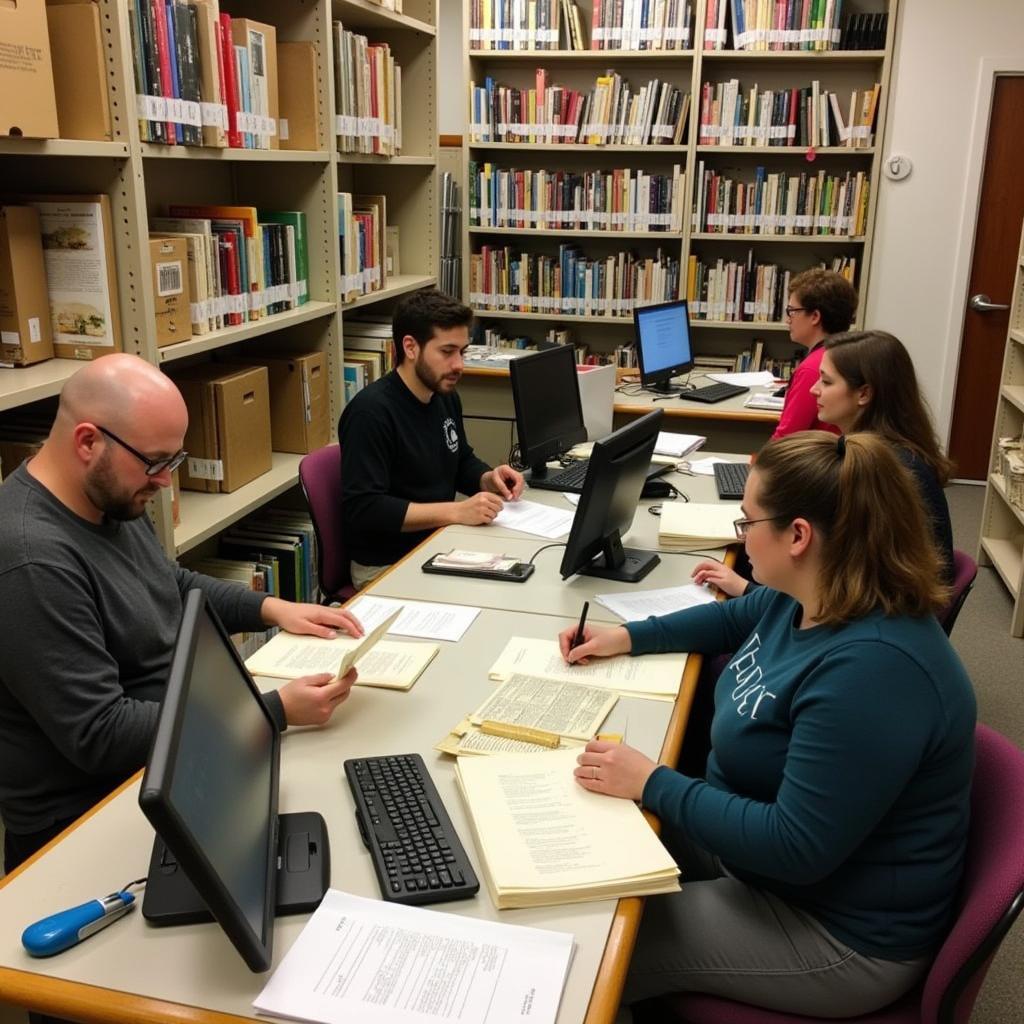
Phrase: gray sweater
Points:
(91, 617)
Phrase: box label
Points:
(206, 469)
(169, 278)
(35, 333)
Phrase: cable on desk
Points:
(560, 544)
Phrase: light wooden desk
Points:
(131, 972)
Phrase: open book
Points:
(545, 840)
(655, 675)
(388, 663)
(687, 526)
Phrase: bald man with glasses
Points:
(92, 603)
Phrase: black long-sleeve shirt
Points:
(92, 612)
(395, 450)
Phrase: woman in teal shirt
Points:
(821, 855)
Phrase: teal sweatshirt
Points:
(840, 771)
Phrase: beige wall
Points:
(925, 224)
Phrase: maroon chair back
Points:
(965, 569)
(320, 476)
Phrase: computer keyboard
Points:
(730, 478)
(403, 823)
(570, 479)
(713, 393)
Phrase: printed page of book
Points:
(654, 675)
(540, 832)
(701, 522)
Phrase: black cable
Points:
(544, 548)
(130, 885)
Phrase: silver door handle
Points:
(981, 303)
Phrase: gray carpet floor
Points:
(995, 661)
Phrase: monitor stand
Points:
(665, 389)
(303, 875)
(626, 565)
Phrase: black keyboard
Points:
(415, 849)
(713, 393)
(574, 476)
(730, 478)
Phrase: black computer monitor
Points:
(618, 469)
(663, 344)
(210, 790)
(549, 412)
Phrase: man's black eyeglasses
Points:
(153, 466)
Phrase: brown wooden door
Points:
(993, 263)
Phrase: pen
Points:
(578, 638)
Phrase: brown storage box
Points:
(169, 258)
(79, 71)
(299, 124)
(25, 333)
(299, 403)
(228, 437)
(27, 102)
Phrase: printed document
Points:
(677, 445)
(535, 518)
(754, 379)
(631, 605)
(419, 618)
(373, 962)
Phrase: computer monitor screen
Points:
(618, 469)
(663, 343)
(549, 413)
(211, 784)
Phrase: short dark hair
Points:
(421, 313)
(830, 294)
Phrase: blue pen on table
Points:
(67, 928)
(578, 638)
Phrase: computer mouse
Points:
(780, 393)
(656, 489)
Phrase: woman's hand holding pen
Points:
(597, 643)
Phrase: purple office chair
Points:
(965, 569)
(991, 898)
(320, 476)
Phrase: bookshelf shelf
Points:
(1014, 395)
(796, 56)
(575, 147)
(999, 483)
(361, 14)
(1017, 336)
(398, 284)
(582, 56)
(204, 515)
(1006, 559)
(62, 147)
(720, 236)
(24, 384)
(741, 325)
(243, 332)
(155, 151)
(385, 161)
(558, 318)
(793, 151)
(576, 233)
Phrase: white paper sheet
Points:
(573, 499)
(677, 445)
(705, 467)
(638, 604)
(764, 400)
(419, 618)
(757, 379)
(369, 961)
(532, 517)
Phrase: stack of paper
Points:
(631, 605)
(678, 446)
(545, 840)
(656, 676)
(686, 526)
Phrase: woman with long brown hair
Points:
(821, 854)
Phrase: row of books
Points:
(525, 25)
(613, 112)
(368, 95)
(203, 78)
(503, 278)
(780, 204)
(734, 291)
(641, 25)
(809, 116)
(622, 199)
(362, 226)
(795, 25)
(369, 352)
(243, 263)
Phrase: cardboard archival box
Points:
(299, 402)
(169, 257)
(81, 273)
(79, 70)
(27, 102)
(299, 124)
(228, 437)
(25, 333)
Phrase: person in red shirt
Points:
(821, 302)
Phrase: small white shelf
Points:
(155, 151)
(579, 147)
(242, 332)
(794, 151)
(62, 147)
(999, 486)
(1006, 557)
(575, 233)
(398, 284)
(733, 236)
(23, 384)
(1014, 394)
(360, 14)
(385, 161)
(203, 515)
(600, 56)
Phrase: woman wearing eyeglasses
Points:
(822, 854)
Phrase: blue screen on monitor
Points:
(663, 334)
